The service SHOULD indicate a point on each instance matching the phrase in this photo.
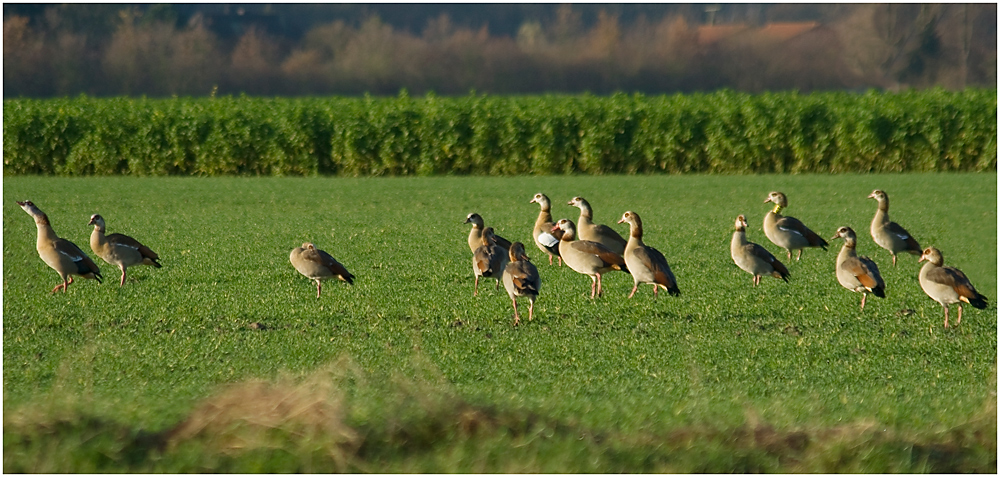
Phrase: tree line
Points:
(58, 51)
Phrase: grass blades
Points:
(227, 307)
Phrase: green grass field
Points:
(224, 360)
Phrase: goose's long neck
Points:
(569, 234)
(45, 231)
(97, 237)
(635, 235)
(544, 215)
(739, 239)
(848, 250)
(883, 204)
(927, 268)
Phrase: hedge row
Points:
(721, 132)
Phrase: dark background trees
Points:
(315, 49)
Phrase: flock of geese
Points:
(585, 247)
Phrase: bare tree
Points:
(254, 63)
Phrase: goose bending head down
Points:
(318, 265)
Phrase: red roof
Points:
(708, 34)
(787, 31)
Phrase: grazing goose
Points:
(753, 258)
(489, 260)
(646, 263)
(62, 255)
(788, 232)
(947, 285)
(476, 234)
(118, 249)
(542, 233)
(520, 278)
(587, 257)
(599, 233)
(887, 234)
(858, 274)
(318, 265)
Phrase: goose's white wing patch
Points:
(547, 239)
(796, 232)
(73, 257)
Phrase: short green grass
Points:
(227, 308)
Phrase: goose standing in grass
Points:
(646, 263)
(60, 254)
(318, 265)
(858, 274)
(753, 258)
(476, 234)
(119, 250)
(520, 278)
(788, 232)
(947, 285)
(600, 233)
(489, 260)
(587, 257)
(887, 234)
(542, 233)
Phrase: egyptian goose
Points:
(318, 265)
(489, 259)
(753, 258)
(646, 263)
(62, 255)
(858, 274)
(476, 234)
(887, 234)
(542, 233)
(599, 233)
(587, 257)
(119, 250)
(520, 278)
(788, 232)
(947, 285)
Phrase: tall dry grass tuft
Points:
(309, 415)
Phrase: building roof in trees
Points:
(787, 31)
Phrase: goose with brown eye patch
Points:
(587, 257)
(947, 285)
(476, 234)
(586, 229)
(858, 274)
(58, 253)
(753, 258)
(646, 263)
(888, 234)
(119, 250)
(788, 233)
(546, 240)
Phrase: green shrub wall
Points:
(722, 132)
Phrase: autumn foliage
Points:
(136, 52)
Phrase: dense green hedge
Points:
(722, 132)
